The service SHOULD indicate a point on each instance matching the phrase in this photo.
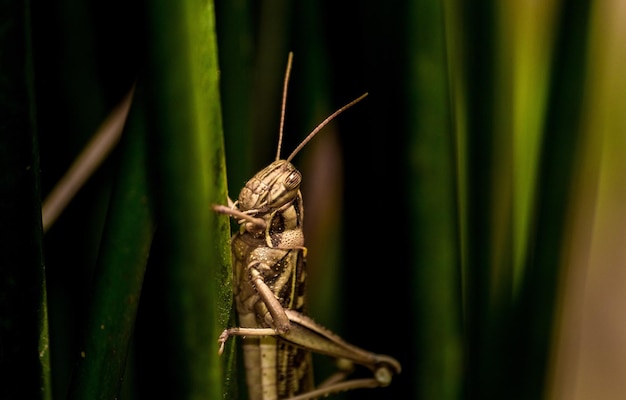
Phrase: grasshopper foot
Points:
(221, 340)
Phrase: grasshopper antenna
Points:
(284, 105)
(323, 124)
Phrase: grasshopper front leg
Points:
(252, 225)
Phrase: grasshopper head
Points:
(272, 187)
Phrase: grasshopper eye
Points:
(293, 180)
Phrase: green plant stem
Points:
(182, 82)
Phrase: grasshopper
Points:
(269, 260)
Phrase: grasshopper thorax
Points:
(271, 188)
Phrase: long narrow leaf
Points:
(561, 143)
(184, 119)
(431, 159)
